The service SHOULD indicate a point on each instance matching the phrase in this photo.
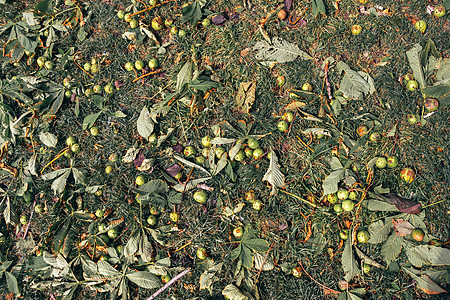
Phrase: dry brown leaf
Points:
(402, 227)
(246, 96)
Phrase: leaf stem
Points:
(169, 284)
(297, 197)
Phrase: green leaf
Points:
(425, 283)
(233, 293)
(106, 269)
(193, 12)
(78, 176)
(156, 186)
(191, 164)
(132, 245)
(145, 249)
(144, 279)
(89, 120)
(353, 85)
(377, 205)
(184, 75)
(262, 262)
(414, 62)
(428, 255)
(258, 245)
(59, 184)
(190, 185)
(60, 237)
(203, 85)
(349, 264)
(45, 6)
(273, 174)
(220, 165)
(379, 231)
(144, 123)
(236, 252)
(330, 184)
(318, 7)
(391, 248)
(278, 51)
(246, 257)
(11, 281)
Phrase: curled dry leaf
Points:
(402, 227)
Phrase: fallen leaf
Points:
(246, 96)
(402, 227)
(404, 205)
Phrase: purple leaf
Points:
(287, 4)
(174, 170)
(139, 159)
(404, 205)
(177, 148)
(218, 19)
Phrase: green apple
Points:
(182, 33)
(139, 64)
(71, 140)
(240, 156)
(412, 85)
(248, 152)
(431, 104)
(39, 208)
(258, 153)
(200, 196)
(283, 126)
(363, 236)
(288, 117)
(439, 11)
(206, 141)
(392, 161)
(238, 232)
(120, 14)
(381, 162)
(281, 80)
(362, 130)
(153, 63)
(112, 233)
(23, 219)
(189, 151)
(418, 234)
(165, 278)
(337, 208)
(257, 204)
(157, 23)
(99, 213)
(307, 87)
(94, 130)
(206, 22)
(253, 143)
(366, 268)
(202, 253)
(348, 205)
(151, 220)
(134, 23)
(140, 180)
(129, 66)
(174, 216)
(219, 152)
(332, 198)
(356, 29)
(375, 137)
(342, 194)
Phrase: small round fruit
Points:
(248, 152)
(238, 231)
(202, 253)
(362, 130)
(95, 68)
(112, 233)
(408, 77)
(99, 213)
(66, 82)
(206, 141)
(392, 161)
(363, 237)
(420, 25)
(258, 153)
(49, 65)
(23, 219)
(439, 11)
(344, 234)
(200, 159)
(352, 195)
(366, 268)
(332, 198)
(101, 227)
(257, 205)
(253, 143)
(174, 30)
(343, 285)
(119, 249)
(88, 92)
(39, 208)
(104, 257)
(281, 80)
(140, 180)
(41, 61)
(297, 272)
(165, 279)
(189, 151)
(134, 23)
(407, 175)
(113, 157)
(431, 104)
(381, 163)
(154, 210)
(94, 130)
(412, 85)
(174, 216)
(153, 63)
(168, 23)
(153, 139)
(418, 234)
(127, 17)
(129, 66)
(348, 205)
(71, 140)
(200, 196)
(75, 148)
(97, 89)
(307, 87)
(205, 152)
(178, 175)
(151, 220)
(109, 88)
(87, 67)
(206, 22)
(250, 196)
(219, 152)
(288, 117)
(108, 169)
(363, 1)
(182, 33)
(98, 193)
(375, 137)
(342, 194)
(412, 119)
(68, 93)
(283, 126)
(282, 14)
(139, 64)
(240, 156)
(338, 208)
(157, 23)
(120, 14)
(356, 29)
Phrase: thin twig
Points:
(146, 74)
(29, 221)
(323, 286)
(169, 284)
(299, 198)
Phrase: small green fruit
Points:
(108, 169)
(87, 67)
(112, 233)
(200, 196)
(348, 205)
(392, 161)
(182, 33)
(281, 80)
(24, 219)
(253, 143)
(288, 117)
(174, 30)
(356, 29)
(431, 104)
(153, 139)
(157, 23)
(366, 268)
(134, 23)
(98, 193)
(407, 175)
(120, 14)
(283, 126)
(219, 152)
(113, 157)
(97, 89)
(439, 11)
(101, 227)
(381, 162)
(258, 153)
(152, 220)
(412, 85)
(39, 208)
(109, 89)
(257, 204)
(75, 148)
(250, 196)
(41, 61)
(99, 213)
(297, 272)
(363, 237)
(88, 92)
(206, 141)
(139, 64)
(127, 17)
(153, 63)
(165, 279)
(49, 65)
(418, 234)
(332, 198)
(338, 208)
(375, 137)
(189, 151)
(202, 253)
(362, 130)
(342, 194)
(140, 180)
(206, 22)
(238, 232)
(174, 217)
(344, 234)
(412, 119)
(421, 26)
(168, 23)
(352, 195)
(129, 67)
(307, 87)
(94, 130)
(95, 68)
(240, 156)
(200, 159)
(248, 152)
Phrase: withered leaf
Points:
(246, 96)
(139, 159)
(404, 205)
(402, 227)
(174, 170)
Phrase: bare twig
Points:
(29, 221)
(169, 284)
(323, 286)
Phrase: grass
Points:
(297, 233)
